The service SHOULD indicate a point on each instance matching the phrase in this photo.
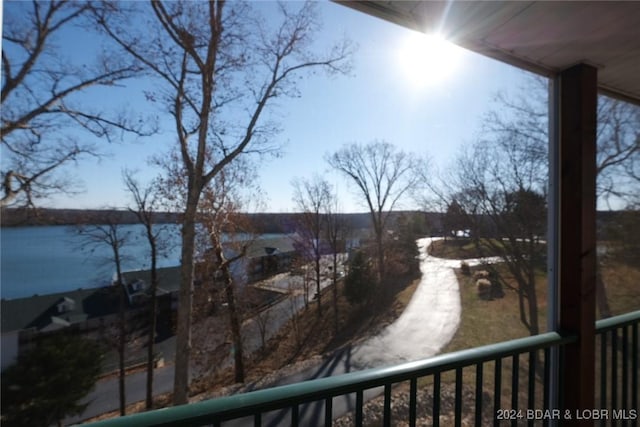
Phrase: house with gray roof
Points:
(25, 318)
(41, 314)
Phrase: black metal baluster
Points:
(387, 405)
(547, 381)
(294, 415)
(625, 368)
(479, 381)
(531, 400)
(436, 399)
(603, 373)
(614, 371)
(359, 404)
(413, 401)
(635, 373)
(497, 388)
(328, 412)
(458, 403)
(515, 374)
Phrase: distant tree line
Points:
(262, 222)
(18, 217)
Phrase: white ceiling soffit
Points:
(544, 37)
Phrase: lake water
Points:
(44, 260)
(50, 259)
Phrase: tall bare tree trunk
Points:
(121, 338)
(380, 247)
(335, 292)
(183, 329)
(335, 227)
(234, 316)
(110, 234)
(318, 278)
(532, 293)
(152, 325)
(234, 320)
(144, 210)
(532, 302)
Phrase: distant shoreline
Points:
(262, 222)
(20, 217)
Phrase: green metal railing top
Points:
(618, 321)
(246, 404)
(283, 396)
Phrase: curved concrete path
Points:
(428, 322)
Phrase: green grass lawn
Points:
(621, 279)
(465, 248)
(485, 322)
(458, 248)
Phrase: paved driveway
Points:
(427, 324)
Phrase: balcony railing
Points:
(617, 382)
(507, 381)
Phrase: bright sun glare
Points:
(427, 60)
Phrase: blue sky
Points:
(379, 100)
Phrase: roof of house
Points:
(168, 278)
(271, 246)
(544, 37)
(261, 246)
(55, 323)
(41, 311)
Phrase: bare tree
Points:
(293, 313)
(215, 64)
(517, 128)
(219, 213)
(382, 175)
(618, 156)
(113, 236)
(454, 220)
(263, 318)
(497, 183)
(145, 208)
(499, 186)
(618, 167)
(41, 106)
(525, 116)
(311, 198)
(301, 269)
(336, 233)
(223, 238)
